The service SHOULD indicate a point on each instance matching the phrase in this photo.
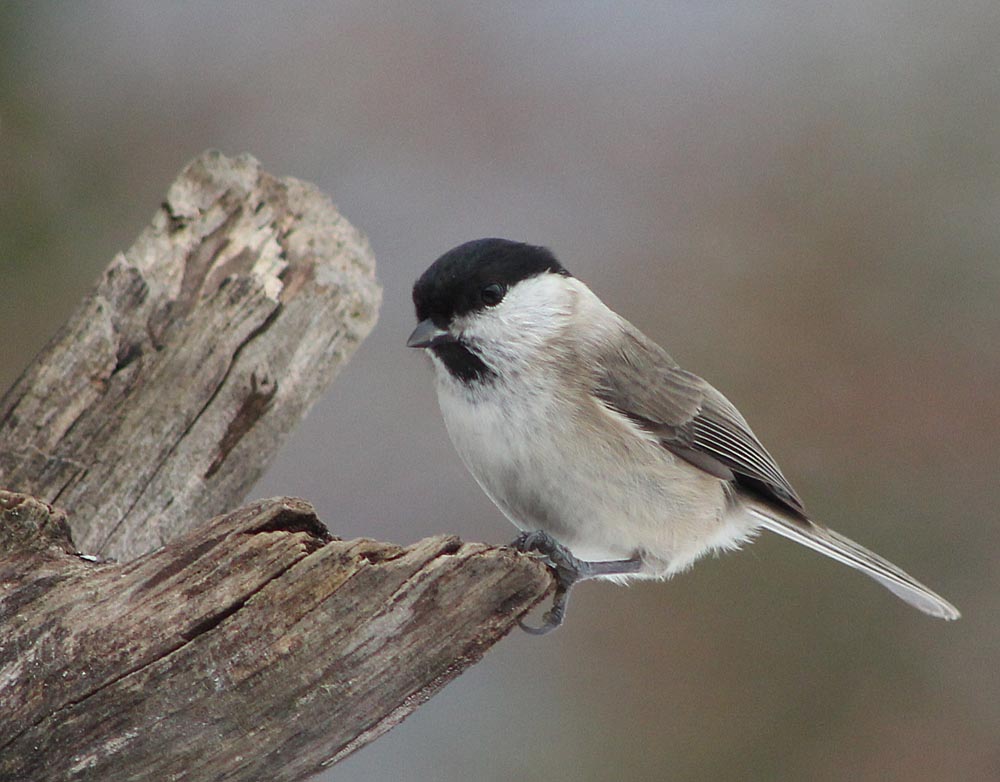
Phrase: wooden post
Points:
(253, 645)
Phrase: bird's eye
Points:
(492, 294)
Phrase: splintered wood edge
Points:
(29, 525)
(323, 645)
(167, 393)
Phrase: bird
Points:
(613, 461)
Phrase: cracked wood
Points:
(166, 395)
(255, 647)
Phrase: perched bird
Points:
(614, 461)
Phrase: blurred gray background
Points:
(801, 201)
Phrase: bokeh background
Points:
(800, 200)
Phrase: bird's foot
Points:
(567, 570)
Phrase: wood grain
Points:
(255, 647)
(168, 392)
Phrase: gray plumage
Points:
(575, 423)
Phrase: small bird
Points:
(614, 461)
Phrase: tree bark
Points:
(254, 645)
(168, 392)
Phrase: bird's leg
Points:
(568, 570)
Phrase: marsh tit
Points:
(614, 461)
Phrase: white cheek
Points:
(532, 313)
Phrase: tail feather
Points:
(847, 552)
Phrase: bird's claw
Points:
(566, 568)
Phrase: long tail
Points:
(846, 551)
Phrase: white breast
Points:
(593, 481)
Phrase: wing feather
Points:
(697, 423)
(638, 379)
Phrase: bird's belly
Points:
(605, 502)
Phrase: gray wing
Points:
(691, 419)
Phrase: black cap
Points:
(454, 283)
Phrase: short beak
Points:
(427, 335)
